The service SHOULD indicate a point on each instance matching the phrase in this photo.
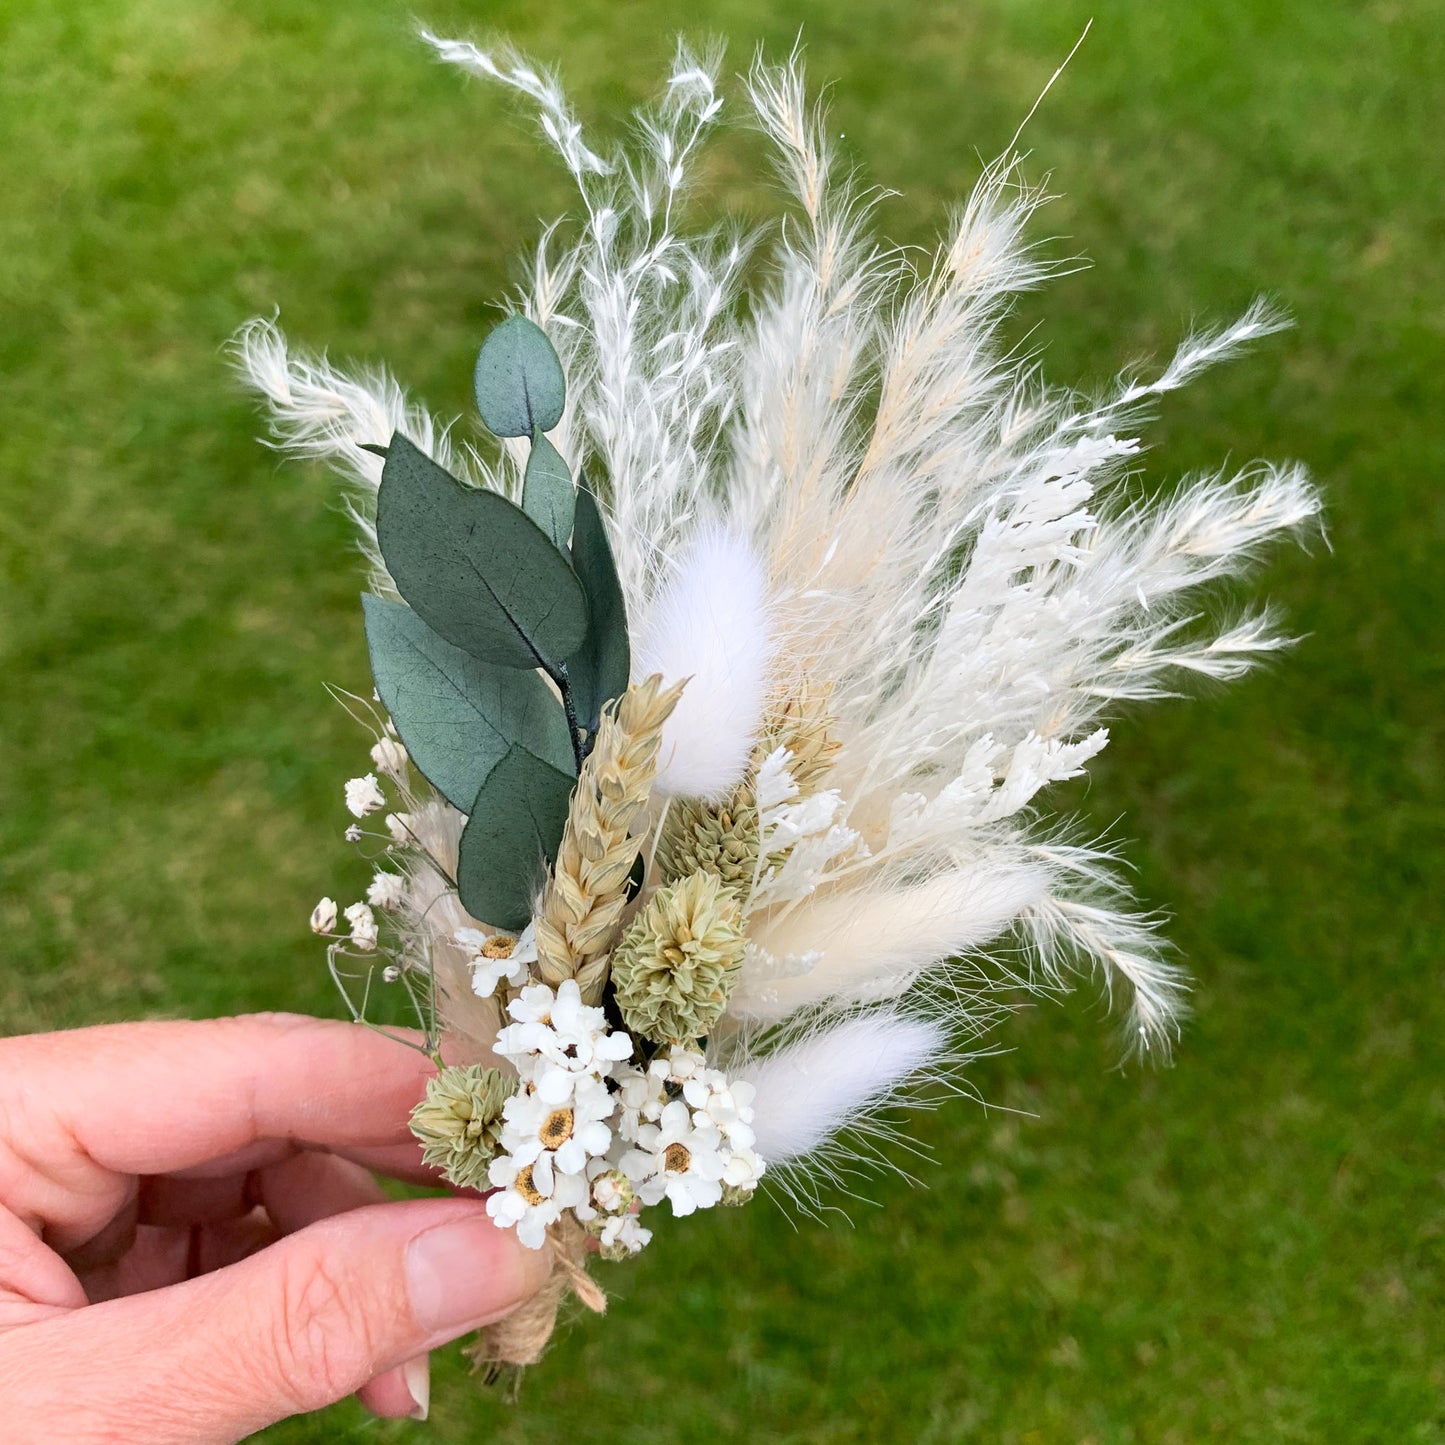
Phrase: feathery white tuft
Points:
(809, 1091)
(842, 473)
(317, 410)
(873, 943)
(709, 624)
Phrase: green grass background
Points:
(1246, 1246)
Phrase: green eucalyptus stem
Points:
(579, 741)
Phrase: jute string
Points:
(522, 1337)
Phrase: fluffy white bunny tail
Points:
(873, 943)
(315, 410)
(808, 1091)
(709, 624)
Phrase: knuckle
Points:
(322, 1341)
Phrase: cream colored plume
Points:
(830, 1080)
(832, 465)
(857, 945)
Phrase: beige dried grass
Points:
(582, 906)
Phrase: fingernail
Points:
(468, 1273)
(416, 1374)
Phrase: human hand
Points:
(191, 1243)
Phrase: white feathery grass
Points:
(1084, 924)
(948, 541)
(811, 1090)
(708, 625)
(844, 477)
(319, 411)
(873, 943)
(640, 314)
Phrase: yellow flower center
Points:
(526, 1188)
(499, 945)
(676, 1158)
(556, 1128)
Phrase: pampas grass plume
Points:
(708, 625)
(876, 942)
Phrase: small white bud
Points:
(352, 834)
(390, 757)
(390, 973)
(364, 795)
(323, 916)
(612, 1192)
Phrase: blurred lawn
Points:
(1246, 1246)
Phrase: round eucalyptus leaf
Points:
(518, 381)
(548, 496)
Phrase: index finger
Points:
(151, 1098)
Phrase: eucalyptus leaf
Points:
(548, 496)
(456, 715)
(512, 835)
(518, 381)
(475, 567)
(598, 670)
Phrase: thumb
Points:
(305, 1322)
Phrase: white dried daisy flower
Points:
(678, 1160)
(563, 1117)
(493, 957)
(530, 1197)
(677, 1065)
(561, 1030)
(622, 1237)
(724, 1104)
(641, 1097)
(612, 1192)
(742, 1172)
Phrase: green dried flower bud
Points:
(675, 965)
(459, 1123)
(722, 840)
(733, 1194)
